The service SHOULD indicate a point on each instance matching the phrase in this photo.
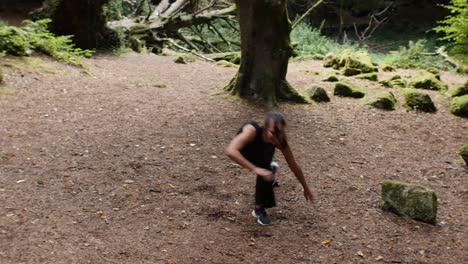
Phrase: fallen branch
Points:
(187, 50)
(441, 52)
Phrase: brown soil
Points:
(126, 166)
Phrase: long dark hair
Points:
(277, 119)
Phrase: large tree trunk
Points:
(265, 51)
(84, 20)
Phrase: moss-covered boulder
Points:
(318, 56)
(371, 76)
(427, 80)
(395, 82)
(384, 101)
(346, 89)
(180, 60)
(331, 78)
(329, 60)
(318, 94)
(388, 68)
(459, 106)
(459, 91)
(434, 71)
(463, 151)
(358, 60)
(350, 62)
(414, 201)
(417, 101)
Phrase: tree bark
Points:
(265, 51)
(84, 20)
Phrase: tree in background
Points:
(265, 51)
(455, 28)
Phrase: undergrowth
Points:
(34, 36)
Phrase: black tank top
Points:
(258, 152)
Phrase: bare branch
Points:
(305, 14)
(187, 50)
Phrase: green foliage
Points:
(34, 36)
(308, 40)
(455, 27)
(416, 55)
(116, 9)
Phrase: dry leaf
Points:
(168, 261)
(326, 241)
(359, 253)
(68, 185)
(379, 258)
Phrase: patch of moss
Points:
(227, 64)
(5, 90)
(384, 101)
(426, 80)
(417, 101)
(459, 106)
(318, 94)
(463, 151)
(372, 76)
(410, 200)
(459, 91)
(346, 89)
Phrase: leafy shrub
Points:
(308, 40)
(416, 55)
(455, 27)
(34, 36)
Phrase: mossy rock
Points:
(372, 76)
(395, 82)
(384, 101)
(331, 78)
(414, 201)
(388, 68)
(395, 77)
(427, 80)
(463, 69)
(385, 83)
(358, 60)
(417, 101)
(463, 151)
(459, 91)
(180, 59)
(346, 89)
(459, 106)
(227, 64)
(329, 60)
(434, 71)
(350, 71)
(318, 57)
(318, 94)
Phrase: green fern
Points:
(34, 36)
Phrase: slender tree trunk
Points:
(265, 51)
(84, 20)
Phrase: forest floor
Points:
(125, 163)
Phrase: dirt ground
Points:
(126, 164)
